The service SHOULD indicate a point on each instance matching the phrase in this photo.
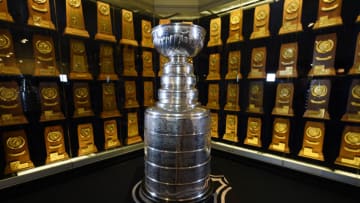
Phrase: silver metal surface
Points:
(176, 131)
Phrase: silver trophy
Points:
(176, 131)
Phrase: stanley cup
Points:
(176, 133)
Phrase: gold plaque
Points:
(291, 21)
(214, 125)
(11, 110)
(261, 22)
(329, 14)
(164, 21)
(4, 13)
(17, 155)
(104, 25)
(146, 34)
(280, 135)
(349, 154)
(355, 69)
(313, 140)
(111, 134)
(109, 104)
(324, 56)
(214, 67)
(50, 102)
(256, 95)
(213, 97)
(284, 100)
(55, 144)
(149, 99)
(78, 61)
(127, 28)
(133, 129)
(162, 60)
(288, 61)
(215, 32)
(107, 70)
(258, 63)
(129, 61)
(40, 14)
(234, 62)
(318, 99)
(235, 26)
(147, 60)
(231, 128)
(8, 65)
(82, 100)
(232, 98)
(45, 60)
(352, 113)
(253, 132)
(130, 95)
(86, 139)
(75, 24)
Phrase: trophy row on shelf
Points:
(329, 14)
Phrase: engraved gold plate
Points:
(253, 133)
(232, 98)
(314, 133)
(107, 69)
(235, 26)
(258, 63)
(261, 22)
(44, 53)
(132, 129)
(329, 14)
(127, 29)
(130, 95)
(75, 24)
(4, 13)
(129, 61)
(147, 64)
(39, 14)
(353, 103)
(355, 69)
(8, 64)
(149, 99)
(288, 61)
(291, 21)
(214, 67)
(86, 139)
(109, 104)
(82, 101)
(104, 24)
(50, 102)
(280, 135)
(213, 97)
(215, 33)
(231, 128)
(111, 134)
(284, 100)
(55, 144)
(256, 95)
(78, 61)
(214, 125)
(318, 99)
(146, 34)
(234, 62)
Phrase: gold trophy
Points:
(231, 128)
(40, 14)
(127, 28)
(318, 99)
(8, 65)
(215, 33)
(280, 135)
(256, 94)
(349, 154)
(355, 69)
(149, 99)
(162, 61)
(78, 61)
(44, 53)
(258, 63)
(132, 129)
(214, 67)
(146, 34)
(329, 14)
(109, 109)
(107, 70)
(86, 139)
(261, 22)
(50, 102)
(82, 101)
(75, 24)
(291, 21)
(358, 19)
(130, 95)
(55, 144)
(213, 97)
(11, 111)
(214, 125)
(253, 132)
(288, 61)
(104, 25)
(324, 56)
(313, 140)
(235, 26)
(17, 155)
(4, 13)
(111, 134)
(129, 61)
(147, 64)
(284, 100)
(234, 62)
(352, 113)
(232, 98)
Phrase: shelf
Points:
(324, 172)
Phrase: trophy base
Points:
(213, 77)
(235, 38)
(17, 166)
(253, 141)
(80, 76)
(321, 71)
(286, 29)
(147, 44)
(131, 105)
(282, 112)
(110, 114)
(6, 17)
(111, 143)
(214, 107)
(149, 103)
(52, 116)
(46, 72)
(129, 42)
(286, 74)
(351, 117)
(105, 37)
(148, 74)
(133, 140)
(7, 120)
(353, 162)
(320, 114)
(107, 77)
(83, 113)
(260, 34)
(43, 24)
(231, 137)
(233, 76)
(231, 108)
(76, 32)
(9, 70)
(214, 43)
(309, 153)
(257, 110)
(256, 75)
(130, 73)
(328, 22)
(279, 147)
(89, 149)
(55, 157)
(355, 70)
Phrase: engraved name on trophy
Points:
(318, 99)
(352, 113)
(127, 28)
(10, 104)
(284, 100)
(109, 105)
(231, 128)
(214, 67)
(256, 94)
(329, 14)
(133, 135)
(129, 61)
(291, 21)
(149, 99)
(261, 22)
(40, 14)
(104, 25)
(324, 56)
(147, 64)
(258, 63)
(82, 101)
(107, 69)
(288, 61)
(232, 98)
(146, 34)
(75, 24)
(214, 125)
(17, 155)
(86, 139)
(78, 61)
(280, 135)
(213, 97)
(4, 13)
(8, 65)
(235, 26)
(44, 53)
(349, 154)
(215, 33)
(111, 134)
(130, 95)
(50, 102)
(55, 144)
(313, 140)
(355, 69)
(253, 132)
(234, 62)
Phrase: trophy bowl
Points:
(178, 39)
